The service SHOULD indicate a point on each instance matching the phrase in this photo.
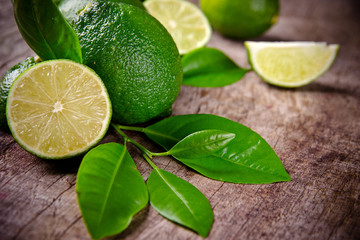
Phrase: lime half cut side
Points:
(58, 109)
(290, 64)
(185, 22)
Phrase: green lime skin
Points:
(241, 19)
(6, 82)
(135, 57)
(70, 8)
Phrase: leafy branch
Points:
(108, 180)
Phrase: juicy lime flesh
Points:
(58, 109)
(6, 82)
(291, 64)
(136, 58)
(184, 21)
(241, 19)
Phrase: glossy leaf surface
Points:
(110, 190)
(209, 67)
(46, 31)
(246, 159)
(201, 143)
(179, 201)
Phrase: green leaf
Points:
(45, 30)
(209, 67)
(110, 190)
(201, 144)
(246, 159)
(179, 201)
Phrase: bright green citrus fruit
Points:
(5, 84)
(185, 22)
(290, 64)
(58, 109)
(241, 18)
(134, 55)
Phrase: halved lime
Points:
(58, 109)
(290, 64)
(185, 22)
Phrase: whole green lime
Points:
(134, 55)
(5, 84)
(241, 19)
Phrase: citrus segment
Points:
(185, 22)
(57, 109)
(290, 64)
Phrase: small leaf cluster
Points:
(111, 190)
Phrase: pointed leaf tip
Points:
(180, 201)
(46, 31)
(248, 158)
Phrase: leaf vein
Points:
(179, 195)
(112, 181)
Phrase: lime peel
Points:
(136, 58)
(290, 64)
(241, 19)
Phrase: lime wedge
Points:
(58, 109)
(290, 64)
(185, 22)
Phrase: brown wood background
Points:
(315, 130)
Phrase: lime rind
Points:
(70, 154)
(253, 49)
(241, 19)
(140, 66)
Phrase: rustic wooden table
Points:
(315, 130)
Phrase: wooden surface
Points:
(315, 130)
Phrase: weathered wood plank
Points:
(315, 130)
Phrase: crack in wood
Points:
(40, 212)
(60, 236)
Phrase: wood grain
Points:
(315, 130)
